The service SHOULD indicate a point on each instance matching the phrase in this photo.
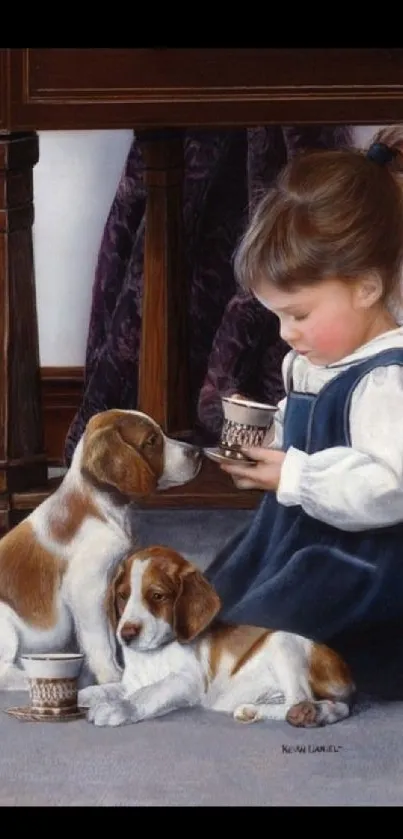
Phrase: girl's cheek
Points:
(329, 335)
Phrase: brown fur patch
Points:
(176, 591)
(118, 592)
(160, 586)
(30, 576)
(241, 642)
(67, 520)
(188, 602)
(164, 558)
(123, 451)
(329, 675)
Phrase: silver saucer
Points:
(27, 714)
(217, 455)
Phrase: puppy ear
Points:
(195, 607)
(113, 456)
(111, 605)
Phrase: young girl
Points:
(323, 556)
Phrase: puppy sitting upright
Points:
(175, 656)
(55, 565)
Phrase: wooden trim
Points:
(61, 392)
(84, 88)
(3, 89)
(65, 374)
(62, 389)
(22, 458)
(210, 490)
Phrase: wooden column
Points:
(22, 458)
(163, 363)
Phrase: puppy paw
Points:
(310, 714)
(87, 695)
(303, 714)
(246, 713)
(111, 713)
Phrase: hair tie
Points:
(381, 153)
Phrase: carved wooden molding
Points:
(22, 458)
(144, 87)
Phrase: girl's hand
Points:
(264, 474)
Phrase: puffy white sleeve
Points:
(362, 486)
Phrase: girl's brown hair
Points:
(333, 213)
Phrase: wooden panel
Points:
(211, 489)
(3, 89)
(85, 88)
(62, 390)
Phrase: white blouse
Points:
(362, 486)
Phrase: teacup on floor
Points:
(53, 684)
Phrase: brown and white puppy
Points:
(56, 564)
(175, 655)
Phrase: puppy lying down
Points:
(176, 655)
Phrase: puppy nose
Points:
(130, 631)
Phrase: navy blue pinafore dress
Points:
(289, 571)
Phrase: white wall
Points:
(364, 133)
(74, 184)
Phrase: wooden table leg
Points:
(164, 391)
(22, 459)
(163, 363)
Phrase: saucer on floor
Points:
(217, 456)
(26, 714)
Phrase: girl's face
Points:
(330, 320)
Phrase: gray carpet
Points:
(200, 758)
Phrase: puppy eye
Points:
(151, 440)
(158, 596)
(121, 600)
